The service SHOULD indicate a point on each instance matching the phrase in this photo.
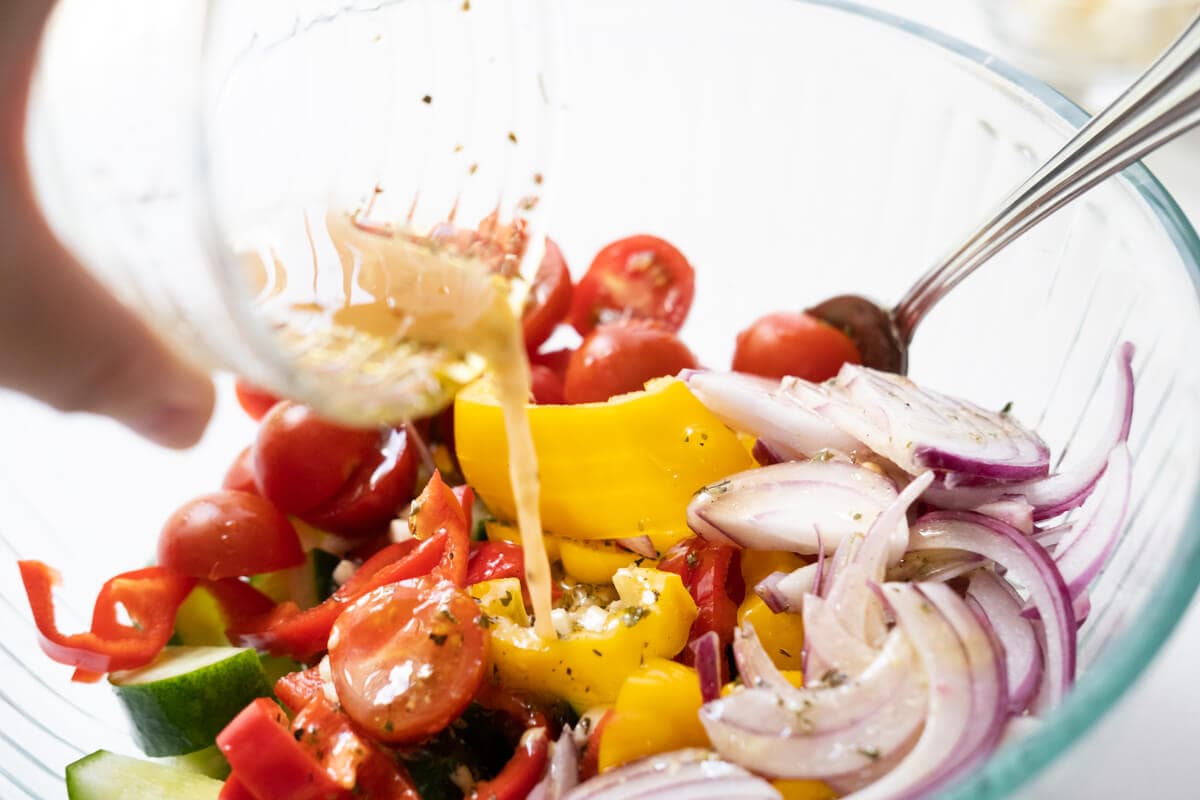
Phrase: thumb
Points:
(63, 338)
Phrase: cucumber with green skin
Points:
(181, 701)
(209, 762)
(108, 776)
(306, 584)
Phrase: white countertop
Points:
(1146, 745)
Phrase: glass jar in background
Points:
(220, 165)
(1090, 49)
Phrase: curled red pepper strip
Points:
(521, 773)
(148, 599)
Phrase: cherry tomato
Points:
(793, 343)
(549, 298)
(615, 359)
(407, 658)
(240, 476)
(227, 534)
(344, 480)
(546, 387)
(254, 401)
(713, 577)
(641, 277)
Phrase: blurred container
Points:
(1089, 49)
(191, 153)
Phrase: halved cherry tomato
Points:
(615, 359)
(226, 534)
(343, 480)
(793, 343)
(713, 577)
(240, 476)
(546, 387)
(286, 630)
(407, 658)
(254, 401)
(549, 297)
(640, 277)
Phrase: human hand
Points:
(64, 339)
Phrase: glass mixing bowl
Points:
(793, 150)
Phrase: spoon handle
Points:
(1163, 103)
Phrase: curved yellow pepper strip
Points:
(626, 467)
(657, 710)
(587, 665)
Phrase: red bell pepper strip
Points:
(439, 510)
(234, 789)
(589, 765)
(493, 560)
(350, 760)
(269, 761)
(521, 773)
(150, 597)
(713, 577)
(286, 630)
(297, 689)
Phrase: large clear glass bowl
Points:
(793, 150)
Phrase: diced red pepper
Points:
(589, 765)
(234, 789)
(713, 577)
(269, 761)
(521, 773)
(350, 760)
(148, 597)
(440, 511)
(297, 689)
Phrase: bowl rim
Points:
(1096, 691)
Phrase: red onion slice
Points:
(1082, 552)
(828, 646)
(822, 730)
(679, 775)
(1028, 565)
(782, 506)
(562, 772)
(919, 429)
(640, 545)
(1068, 489)
(887, 538)
(758, 407)
(949, 677)
(856, 604)
(784, 591)
(754, 664)
(1015, 511)
(707, 659)
(935, 566)
(1022, 653)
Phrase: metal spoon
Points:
(1163, 103)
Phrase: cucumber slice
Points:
(209, 762)
(306, 584)
(200, 621)
(108, 776)
(182, 700)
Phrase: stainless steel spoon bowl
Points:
(1160, 105)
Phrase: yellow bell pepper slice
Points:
(622, 468)
(781, 635)
(657, 710)
(595, 561)
(497, 531)
(805, 790)
(758, 564)
(597, 647)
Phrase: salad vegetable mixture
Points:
(800, 579)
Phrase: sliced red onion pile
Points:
(941, 601)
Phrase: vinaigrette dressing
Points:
(431, 319)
